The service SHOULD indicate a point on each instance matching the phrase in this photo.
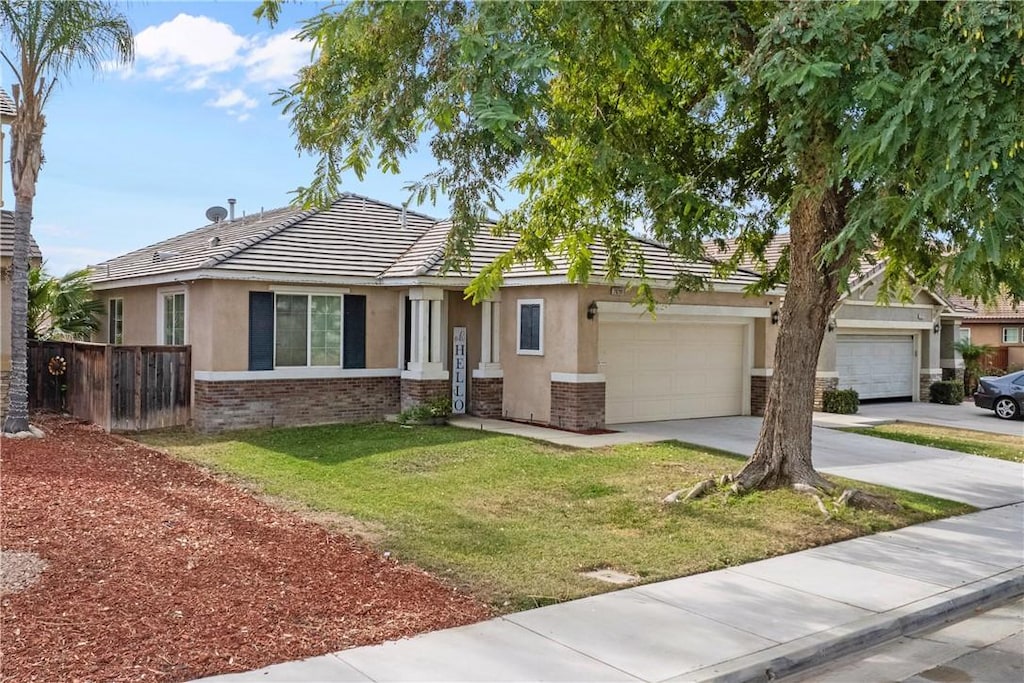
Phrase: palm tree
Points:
(61, 307)
(44, 40)
(972, 354)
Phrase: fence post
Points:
(137, 409)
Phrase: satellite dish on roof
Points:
(215, 214)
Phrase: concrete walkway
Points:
(767, 618)
(963, 416)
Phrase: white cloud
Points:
(190, 41)
(277, 59)
(233, 99)
(197, 53)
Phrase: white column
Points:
(423, 331)
(485, 333)
(496, 333)
(414, 336)
(435, 331)
(490, 341)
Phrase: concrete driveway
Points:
(976, 480)
(964, 416)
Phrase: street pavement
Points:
(985, 648)
(752, 622)
(963, 416)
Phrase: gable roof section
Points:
(7, 108)
(354, 236)
(7, 238)
(426, 259)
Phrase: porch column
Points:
(485, 399)
(426, 362)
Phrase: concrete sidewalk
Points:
(778, 615)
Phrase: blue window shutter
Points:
(354, 344)
(261, 330)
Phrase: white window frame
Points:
(309, 326)
(965, 334)
(519, 327)
(1011, 341)
(111, 319)
(161, 295)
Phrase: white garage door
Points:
(663, 370)
(876, 366)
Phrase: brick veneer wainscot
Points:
(221, 405)
(485, 396)
(821, 385)
(927, 378)
(416, 391)
(578, 407)
(759, 393)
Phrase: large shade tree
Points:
(44, 41)
(885, 130)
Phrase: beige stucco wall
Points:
(571, 340)
(217, 321)
(990, 334)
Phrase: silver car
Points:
(1005, 394)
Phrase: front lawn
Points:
(1002, 446)
(516, 521)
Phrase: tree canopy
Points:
(866, 130)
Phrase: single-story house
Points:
(999, 325)
(884, 352)
(6, 254)
(343, 314)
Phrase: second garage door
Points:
(663, 370)
(877, 366)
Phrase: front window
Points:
(173, 318)
(530, 327)
(115, 321)
(965, 335)
(1011, 335)
(308, 330)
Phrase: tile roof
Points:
(280, 241)
(357, 237)
(1000, 309)
(7, 237)
(7, 108)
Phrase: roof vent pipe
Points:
(231, 209)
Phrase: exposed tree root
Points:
(813, 493)
(698, 491)
(856, 498)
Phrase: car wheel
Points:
(1006, 408)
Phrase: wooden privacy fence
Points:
(120, 388)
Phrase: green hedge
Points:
(949, 392)
(841, 401)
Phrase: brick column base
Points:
(578, 407)
(821, 385)
(927, 378)
(485, 397)
(759, 393)
(416, 391)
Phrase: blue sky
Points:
(135, 156)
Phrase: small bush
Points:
(841, 401)
(435, 411)
(947, 392)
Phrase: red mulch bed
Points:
(159, 572)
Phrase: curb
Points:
(818, 649)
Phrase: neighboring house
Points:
(6, 252)
(344, 314)
(7, 114)
(883, 351)
(999, 325)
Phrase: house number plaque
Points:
(459, 370)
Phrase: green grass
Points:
(515, 521)
(1002, 446)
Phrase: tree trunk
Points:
(26, 158)
(782, 456)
